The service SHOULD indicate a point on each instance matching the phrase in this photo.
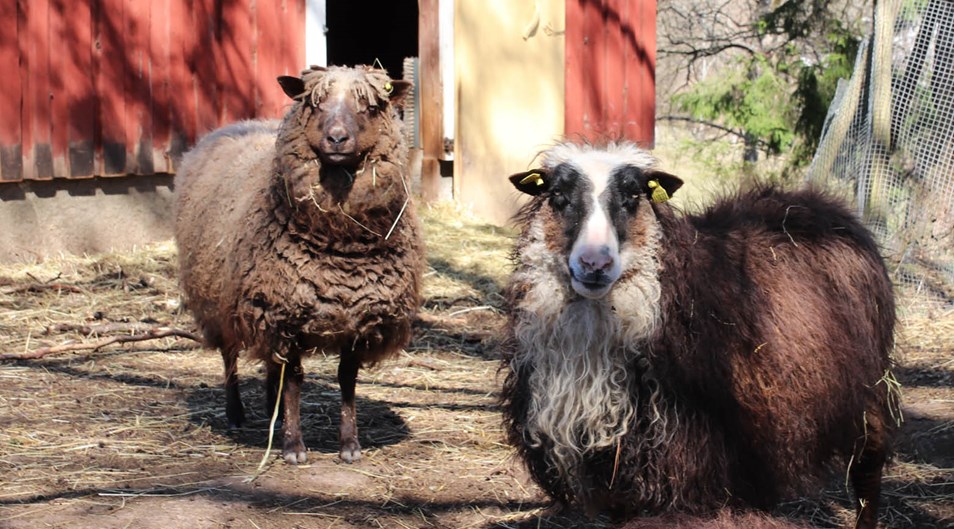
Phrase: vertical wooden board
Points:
(272, 23)
(291, 42)
(256, 18)
(431, 117)
(640, 60)
(159, 52)
(183, 45)
(285, 47)
(205, 88)
(597, 63)
(585, 68)
(610, 69)
(109, 73)
(573, 52)
(614, 67)
(60, 64)
(11, 155)
(73, 104)
(233, 65)
(136, 89)
(37, 140)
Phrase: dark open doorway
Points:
(360, 31)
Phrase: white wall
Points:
(316, 45)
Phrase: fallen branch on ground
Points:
(39, 287)
(151, 334)
(98, 329)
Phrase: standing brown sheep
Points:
(297, 237)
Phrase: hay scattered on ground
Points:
(112, 437)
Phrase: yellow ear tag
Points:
(388, 87)
(534, 178)
(659, 193)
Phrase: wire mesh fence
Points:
(889, 143)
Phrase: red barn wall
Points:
(610, 69)
(117, 87)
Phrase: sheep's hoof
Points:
(294, 454)
(235, 416)
(350, 451)
(296, 458)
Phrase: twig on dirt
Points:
(425, 364)
(102, 328)
(151, 334)
(39, 287)
(431, 320)
(469, 309)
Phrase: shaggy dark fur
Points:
(286, 245)
(722, 520)
(765, 367)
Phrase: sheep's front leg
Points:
(348, 435)
(273, 372)
(234, 412)
(293, 449)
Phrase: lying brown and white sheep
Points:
(297, 237)
(663, 362)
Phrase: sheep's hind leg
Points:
(866, 472)
(234, 412)
(348, 434)
(293, 449)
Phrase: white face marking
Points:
(594, 259)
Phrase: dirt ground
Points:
(134, 434)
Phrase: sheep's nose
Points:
(337, 136)
(596, 260)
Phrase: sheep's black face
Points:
(595, 195)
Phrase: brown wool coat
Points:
(775, 323)
(277, 257)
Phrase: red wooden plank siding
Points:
(161, 74)
(640, 59)
(205, 89)
(60, 59)
(118, 87)
(234, 65)
(270, 45)
(110, 62)
(74, 104)
(35, 71)
(136, 88)
(183, 117)
(610, 69)
(11, 156)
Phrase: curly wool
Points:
(279, 254)
(760, 330)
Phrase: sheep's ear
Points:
(293, 87)
(532, 182)
(661, 186)
(399, 91)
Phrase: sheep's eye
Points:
(558, 200)
(630, 202)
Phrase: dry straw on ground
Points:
(133, 434)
